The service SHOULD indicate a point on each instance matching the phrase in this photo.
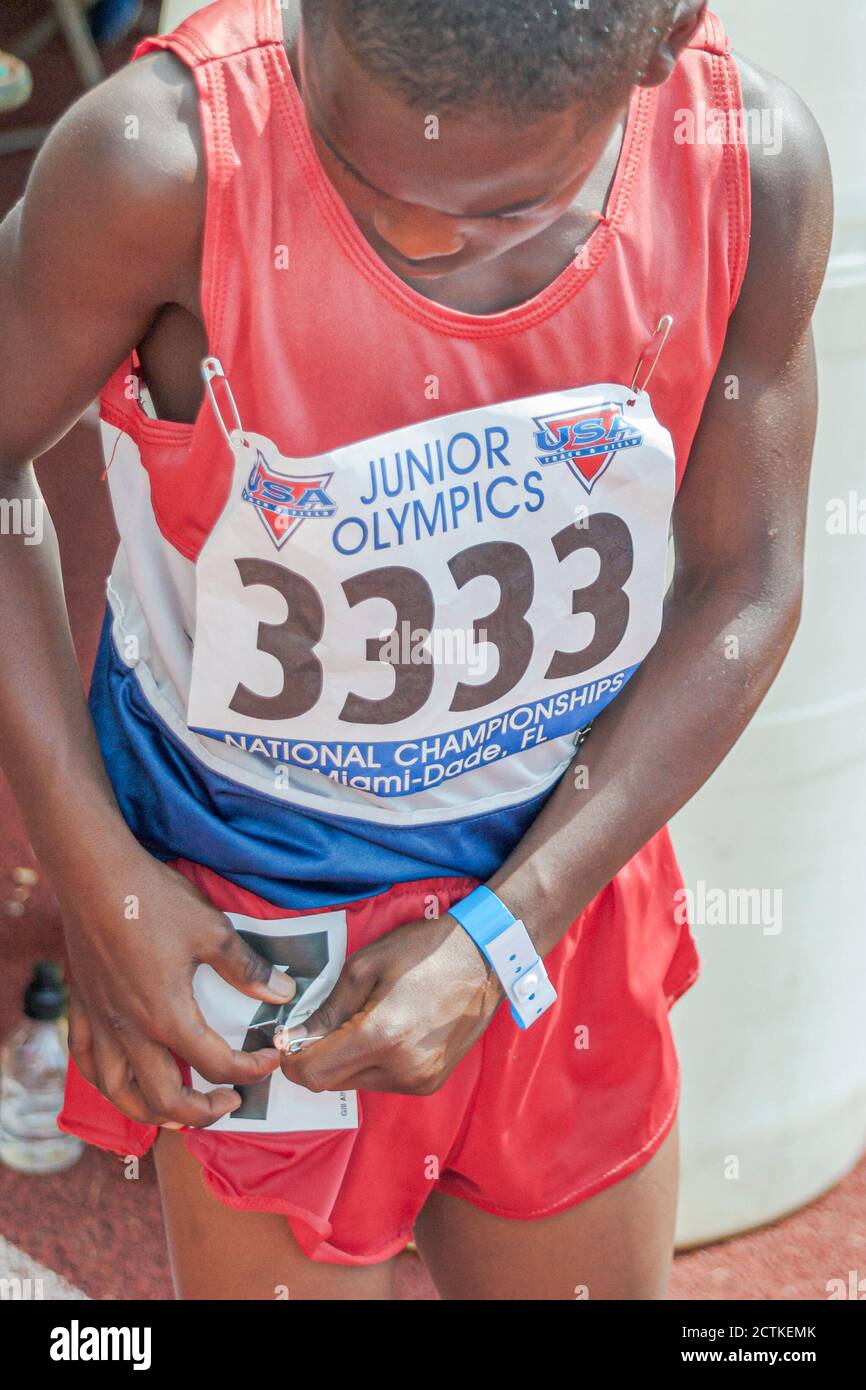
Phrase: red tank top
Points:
(333, 349)
(524, 510)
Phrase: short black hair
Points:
(517, 55)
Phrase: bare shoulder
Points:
(126, 165)
(792, 192)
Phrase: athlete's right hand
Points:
(132, 1004)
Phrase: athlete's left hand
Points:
(403, 1013)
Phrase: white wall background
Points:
(773, 1039)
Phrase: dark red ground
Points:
(101, 1231)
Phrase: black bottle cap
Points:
(45, 996)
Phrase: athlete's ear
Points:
(682, 27)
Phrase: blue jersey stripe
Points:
(179, 808)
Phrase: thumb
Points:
(346, 999)
(239, 965)
(80, 1038)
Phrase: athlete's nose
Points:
(417, 233)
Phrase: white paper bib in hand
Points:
(313, 951)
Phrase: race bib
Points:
(313, 951)
(407, 610)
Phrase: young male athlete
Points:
(414, 322)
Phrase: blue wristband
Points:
(504, 941)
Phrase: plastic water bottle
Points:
(32, 1076)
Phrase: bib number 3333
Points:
(474, 586)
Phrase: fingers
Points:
(386, 1080)
(345, 1000)
(114, 1079)
(143, 1082)
(81, 1039)
(359, 1059)
(326, 1065)
(212, 1057)
(141, 1078)
(160, 1083)
(239, 965)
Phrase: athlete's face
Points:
(437, 194)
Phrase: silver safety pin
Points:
(664, 331)
(300, 1043)
(211, 368)
(266, 1022)
(280, 1018)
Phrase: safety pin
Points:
(266, 1022)
(279, 1021)
(211, 368)
(299, 1043)
(280, 1018)
(664, 328)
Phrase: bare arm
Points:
(86, 258)
(106, 229)
(739, 527)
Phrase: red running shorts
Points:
(529, 1123)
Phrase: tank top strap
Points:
(723, 93)
(711, 36)
(228, 48)
(219, 31)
